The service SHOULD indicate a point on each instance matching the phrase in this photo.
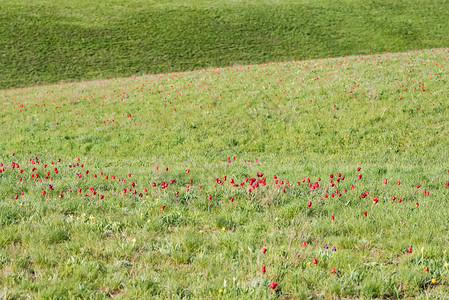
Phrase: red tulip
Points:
(309, 204)
(273, 285)
(410, 250)
(264, 250)
(365, 213)
(162, 207)
(333, 270)
(263, 269)
(304, 243)
(315, 261)
(332, 217)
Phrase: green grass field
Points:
(50, 41)
(123, 187)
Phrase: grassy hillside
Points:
(171, 186)
(51, 41)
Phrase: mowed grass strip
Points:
(50, 41)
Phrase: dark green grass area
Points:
(52, 41)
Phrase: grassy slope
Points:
(385, 113)
(50, 41)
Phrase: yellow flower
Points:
(422, 250)
(220, 291)
(446, 265)
(223, 229)
(134, 240)
(149, 220)
(433, 281)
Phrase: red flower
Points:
(273, 285)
